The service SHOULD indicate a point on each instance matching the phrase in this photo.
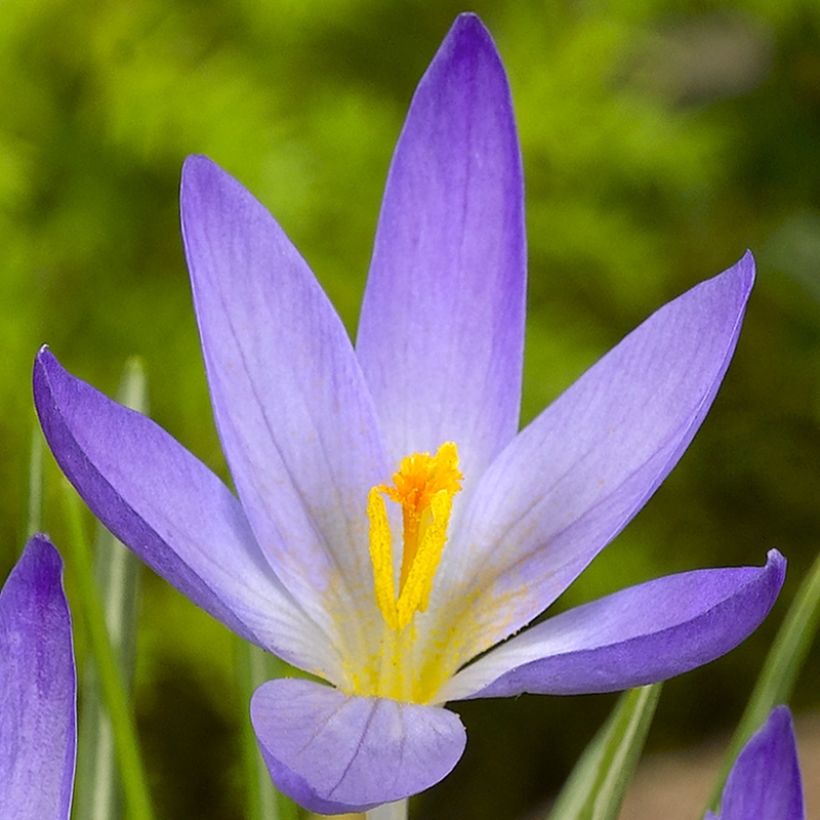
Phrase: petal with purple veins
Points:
(765, 780)
(174, 513)
(640, 635)
(573, 479)
(38, 682)
(292, 408)
(335, 753)
(442, 325)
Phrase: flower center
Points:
(423, 486)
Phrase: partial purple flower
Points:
(38, 689)
(764, 783)
(391, 524)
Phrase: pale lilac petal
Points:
(640, 635)
(442, 324)
(336, 753)
(765, 780)
(293, 411)
(173, 512)
(570, 482)
(38, 689)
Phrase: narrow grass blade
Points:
(98, 791)
(780, 670)
(263, 801)
(34, 511)
(595, 789)
(112, 686)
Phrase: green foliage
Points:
(107, 661)
(253, 668)
(660, 140)
(596, 787)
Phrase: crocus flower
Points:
(764, 783)
(38, 689)
(390, 524)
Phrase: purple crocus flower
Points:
(764, 783)
(38, 689)
(385, 587)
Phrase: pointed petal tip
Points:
(202, 185)
(468, 23)
(210, 196)
(469, 36)
(774, 571)
(41, 546)
(740, 278)
(47, 369)
(732, 286)
(204, 189)
(782, 712)
(776, 561)
(747, 268)
(781, 718)
(198, 173)
(43, 360)
(197, 163)
(40, 564)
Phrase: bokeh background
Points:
(661, 138)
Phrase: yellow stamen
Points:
(381, 555)
(424, 486)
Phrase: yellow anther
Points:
(424, 486)
(381, 555)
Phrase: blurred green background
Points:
(659, 143)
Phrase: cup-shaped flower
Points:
(764, 783)
(391, 524)
(38, 704)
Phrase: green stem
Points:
(110, 676)
(389, 811)
(253, 668)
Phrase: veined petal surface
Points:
(293, 411)
(335, 753)
(38, 689)
(571, 481)
(170, 509)
(640, 635)
(765, 780)
(442, 325)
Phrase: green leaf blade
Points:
(595, 788)
(263, 801)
